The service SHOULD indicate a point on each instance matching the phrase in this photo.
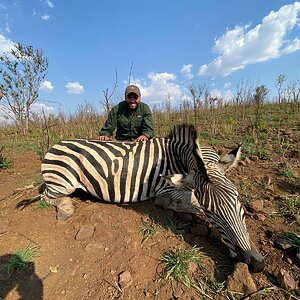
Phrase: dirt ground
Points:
(88, 265)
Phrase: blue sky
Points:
(171, 44)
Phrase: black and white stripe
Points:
(125, 172)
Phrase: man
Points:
(131, 118)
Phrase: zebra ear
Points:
(179, 180)
(230, 160)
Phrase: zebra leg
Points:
(180, 201)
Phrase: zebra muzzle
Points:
(253, 258)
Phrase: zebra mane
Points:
(187, 134)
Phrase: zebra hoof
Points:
(65, 209)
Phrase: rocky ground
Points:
(102, 253)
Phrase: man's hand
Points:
(104, 138)
(142, 138)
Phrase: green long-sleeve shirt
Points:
(129, 125)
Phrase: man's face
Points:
(133, 100)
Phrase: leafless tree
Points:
(196, 93)
(107, 96)
(24, 69)
(244, 92)
(293, 91)
(280, 87)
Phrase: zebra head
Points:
(218, 197)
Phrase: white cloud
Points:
(186, 71)
(227, 85)
(5, 44)
(160, 87)
(33, 12)
(49, 3)
(7, 29)
(37, 108)
(243, 46)
(225, 95)
(46, 86)
(45, 17)
(292, 46)
(7, 117)
(74, 88)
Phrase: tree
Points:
(261, 93)
(293, 91)
(196, 96)
(279, 85)
(24, 69)
(107, 103)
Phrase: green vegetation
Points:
(178, 262)
(42, 205)
(22, 257)
(177, 228)
(290, 206)
(148, 229)
(292, 237)
(286, 171)
(207, 286)
(4, 162)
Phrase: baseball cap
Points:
(132, 89)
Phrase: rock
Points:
(199, 230)
(269, 210)
(97, 216)
(286, 280)
(65, 209)
(257, 205)
(4, 226)
(125, 280)
(94, 247)
(85, 232)
(241, 280)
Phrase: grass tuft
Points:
(4, 162)
(290, 207)
(22, 257)
(178, 263)
(148, 230)
(292, 237)
(42, 205)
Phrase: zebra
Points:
(175, 170)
